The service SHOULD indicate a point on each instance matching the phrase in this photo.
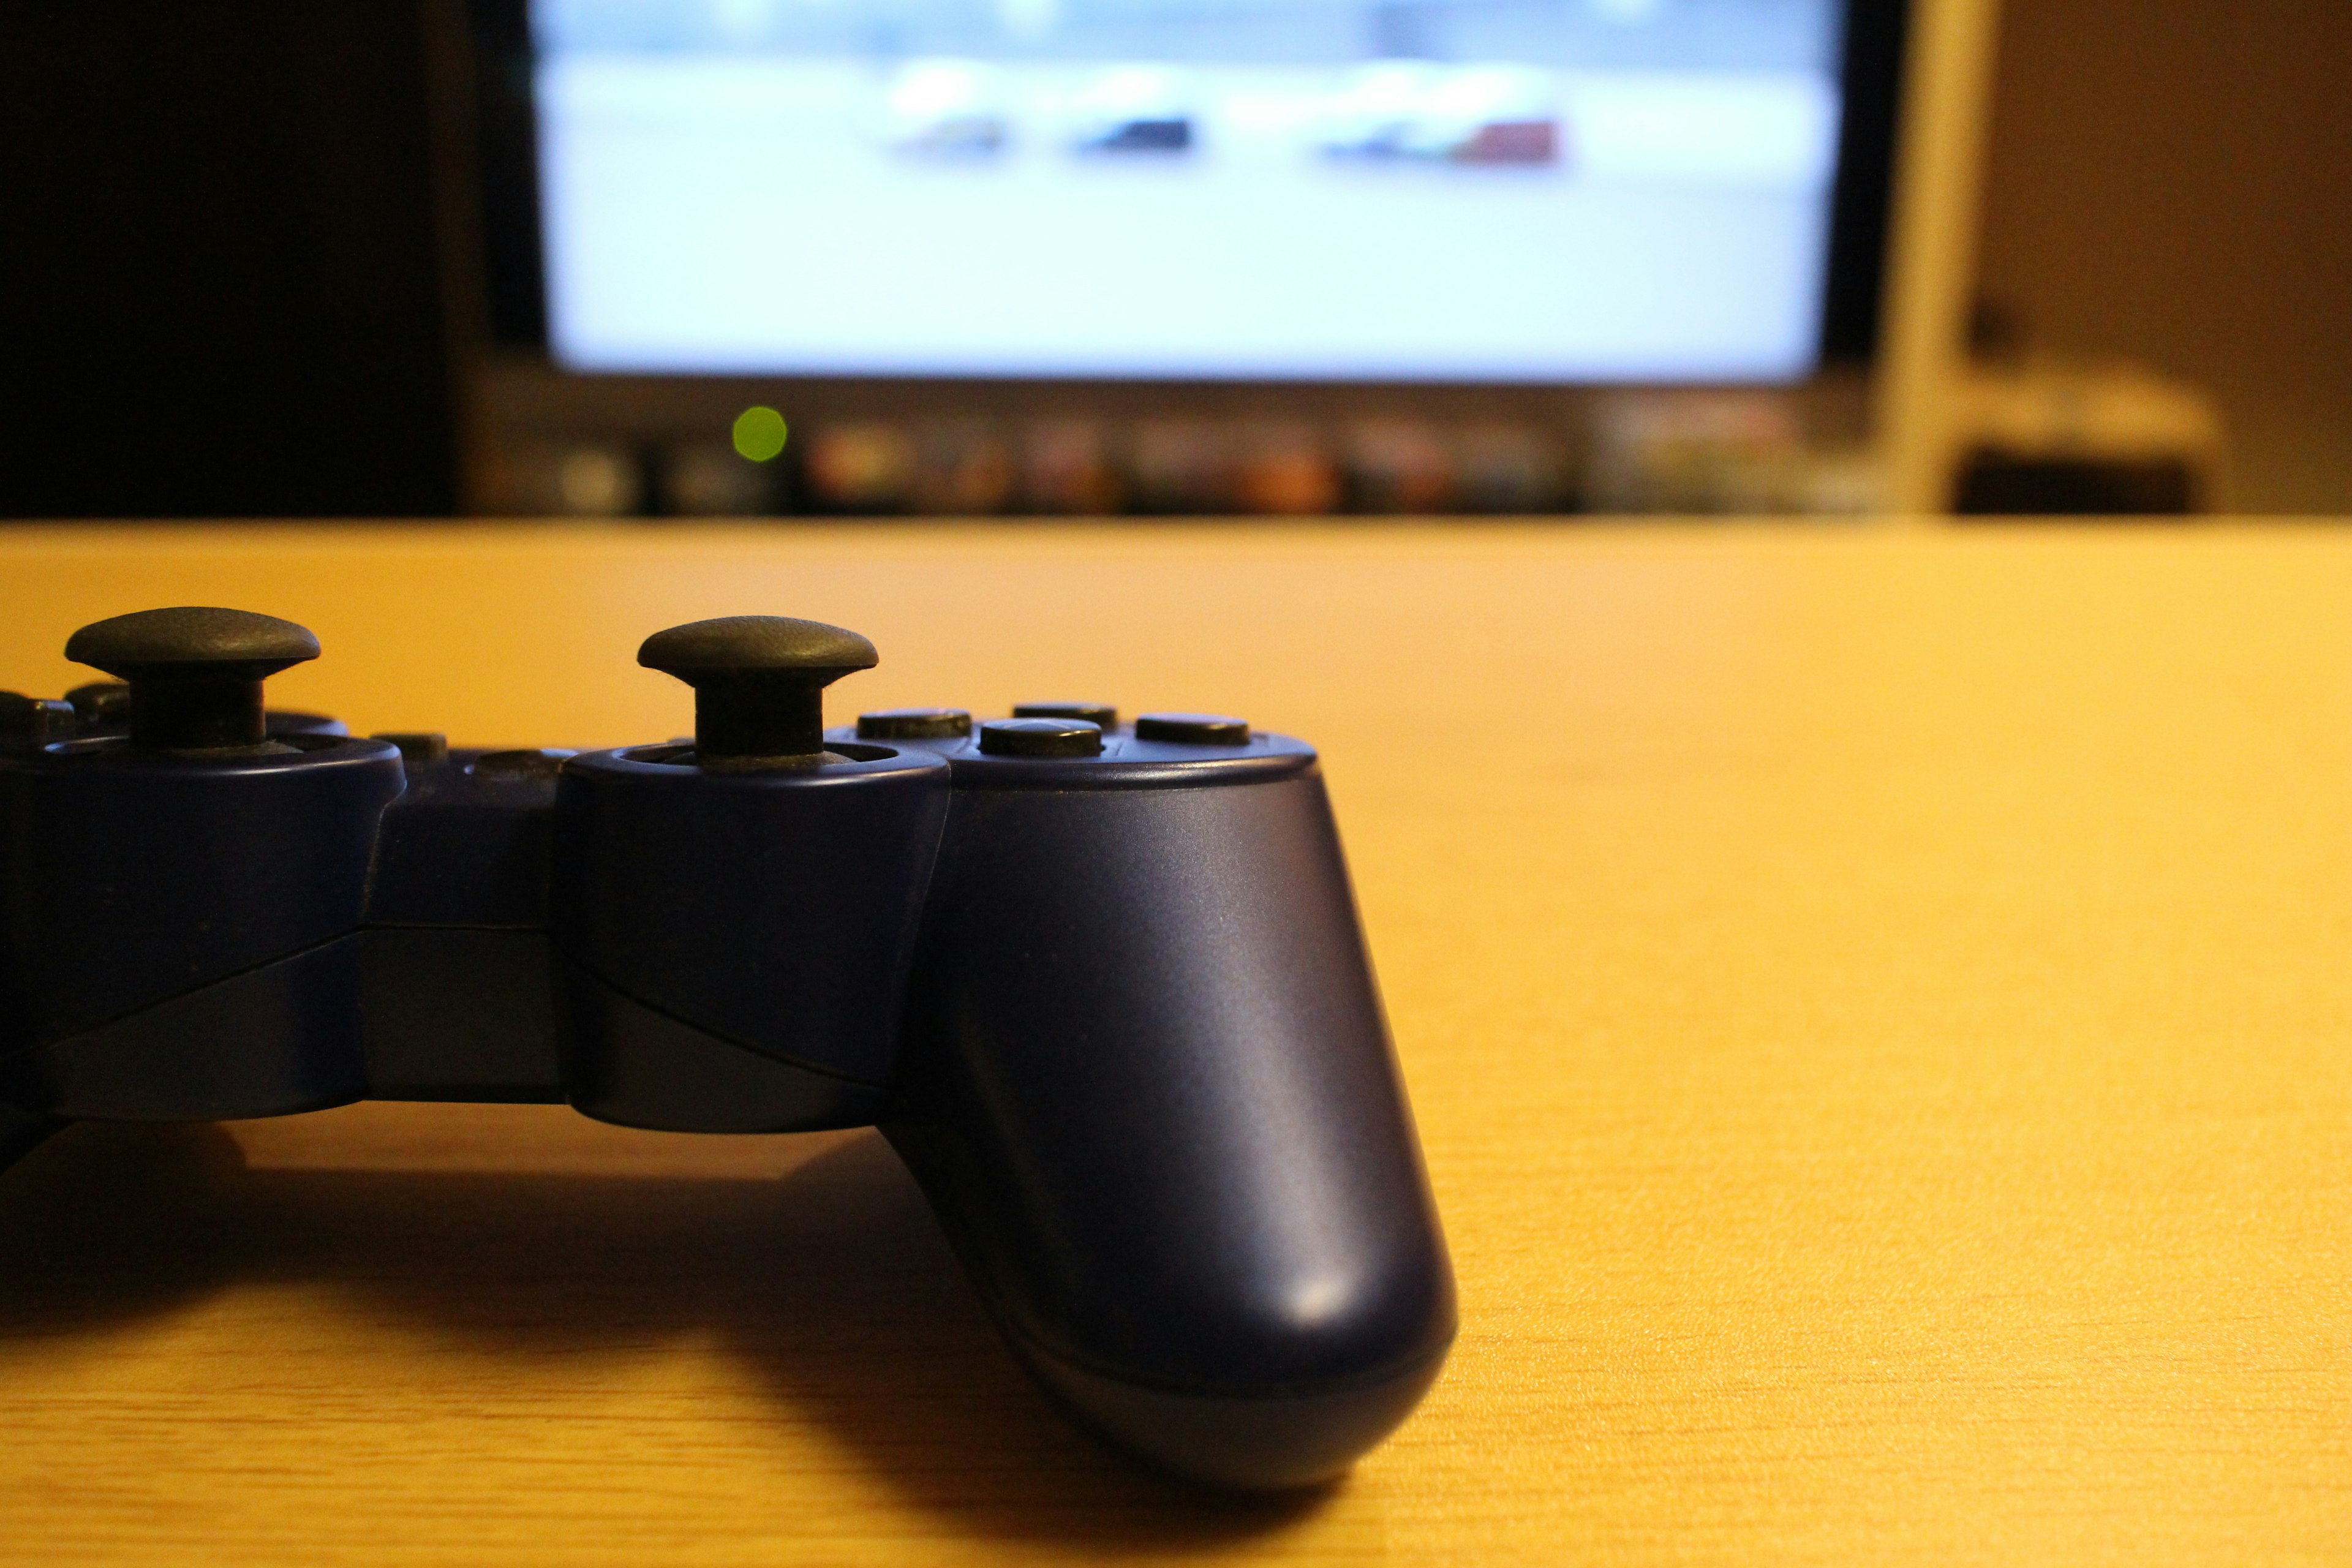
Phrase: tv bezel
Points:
(512, 261)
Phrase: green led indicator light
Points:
(759, 433)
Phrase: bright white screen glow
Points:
(751, 195)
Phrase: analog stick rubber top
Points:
(759, 683)
(196, 673)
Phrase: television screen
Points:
(1469, 191)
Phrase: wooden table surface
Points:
(1878, 1005)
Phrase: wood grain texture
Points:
(1877, 1004)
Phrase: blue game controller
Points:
(1101, 986)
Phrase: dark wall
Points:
(2173, 183)
(219, 286)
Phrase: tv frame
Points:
(516, 393)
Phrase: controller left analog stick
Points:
(194, 672)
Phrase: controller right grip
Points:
(1149, 1090)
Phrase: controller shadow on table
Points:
(832, 1283)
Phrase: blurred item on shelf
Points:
(1709, 452)
(1182, 466)
(707, 479)
(1068, 468)
(963, 467)
(2049, 437)
(564, 480)
(1134, 110)
(1048, 464)
(950, 109)
(1517, 469)
(1284, 469)
(865, 465)
(1843, 479)
(1398, 467)
(1408, 111)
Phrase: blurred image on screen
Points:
(1530, 190)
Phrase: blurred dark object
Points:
(1400, 466)
(2039, 436)
(1996, 334)
(222, 285)
(1173, 134)
(2001, 484)
(1180, 466)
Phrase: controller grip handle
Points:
(1151, 1093)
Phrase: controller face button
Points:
(528, 764)
(418, 748)
(1041, 737)
(1193, 728)
(914, 724)
(1101, 713)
